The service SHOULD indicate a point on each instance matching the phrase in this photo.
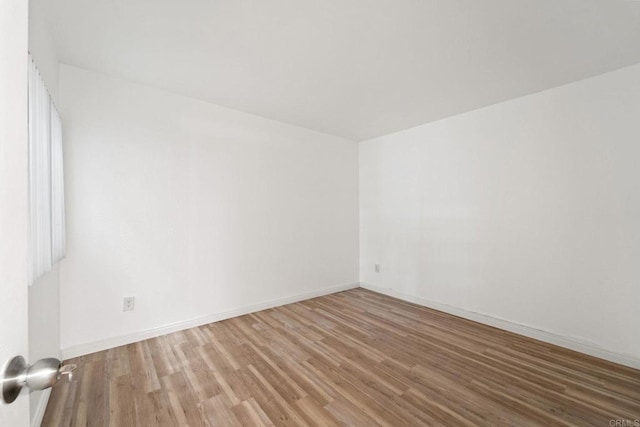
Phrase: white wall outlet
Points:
(376, 268)
(129, 304)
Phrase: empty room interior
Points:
(320, 213)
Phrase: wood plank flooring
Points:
(355, 358)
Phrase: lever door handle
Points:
(41, 375)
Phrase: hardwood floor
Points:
(354, 358)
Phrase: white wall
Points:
(194, 209)
(44, 294)
(527, 211)
(41, 47)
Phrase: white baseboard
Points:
(538, 334)
(92, 347)
(38, 415)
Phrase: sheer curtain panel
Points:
(46, 189)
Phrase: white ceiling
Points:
(354, 68)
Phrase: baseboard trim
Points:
(92, 347)
(38, 416)
(538, 334)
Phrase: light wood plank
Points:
(352, 358)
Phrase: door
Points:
(13, 196)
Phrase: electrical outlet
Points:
(376, 268)
(129, 304)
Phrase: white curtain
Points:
(46, 190)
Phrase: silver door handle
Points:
(41, 375)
